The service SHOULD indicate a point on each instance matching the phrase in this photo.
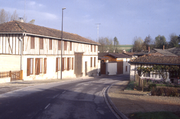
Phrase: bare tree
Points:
(138, 44)
(14, 16)
(4, 16)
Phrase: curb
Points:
(110, 104)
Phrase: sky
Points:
(124, 19)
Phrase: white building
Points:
(151, 60)
(40, 57)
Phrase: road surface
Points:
(82, 99)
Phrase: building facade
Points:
(37, 51)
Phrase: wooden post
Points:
(21, 74)
(142, 85)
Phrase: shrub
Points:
(151, 86)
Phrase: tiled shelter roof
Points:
(15, 27)
(168, 60)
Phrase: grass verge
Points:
(130, 86)
(154, 115)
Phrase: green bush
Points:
(151, 86)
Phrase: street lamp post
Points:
(62, 39)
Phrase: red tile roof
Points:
(16, 27)
(171, 60)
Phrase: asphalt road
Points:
(81, 99)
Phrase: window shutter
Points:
(67, 63)
(72, 63)
(28, 66)
(94, 48)
(91, 61)
(36, 66)
(45, 65)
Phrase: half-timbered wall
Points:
(39, 60)
(10, 44)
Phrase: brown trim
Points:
(72, 63)
(50, 44)
(32, 42)
(65, 45)
(91, 48)
(41, 43)
(59, 45)
(70, 46)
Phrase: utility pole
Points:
(97, 31)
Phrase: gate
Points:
(15, 75)
(120, 67)
(103, 67)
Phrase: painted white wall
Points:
(9, 63)
(111, 68)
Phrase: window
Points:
(70, 46)
(32, 43)
(91, 62)
(59, 45)
(50, 44)
(91, 48)
(72, 63)
(94, 61)
(41, 43)
(30, 66)
(94, 48)
(147, 74)
(45, 65)
(57, 64)
(126, 68)
(65, 45)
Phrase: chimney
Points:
(163, 47)
(148, 48)
(21, 19)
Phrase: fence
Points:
(15, 75)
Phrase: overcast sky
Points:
(124, 19)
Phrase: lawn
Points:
(154, 115)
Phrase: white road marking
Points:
(56, 96)
(47, 106)
(63, 92)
